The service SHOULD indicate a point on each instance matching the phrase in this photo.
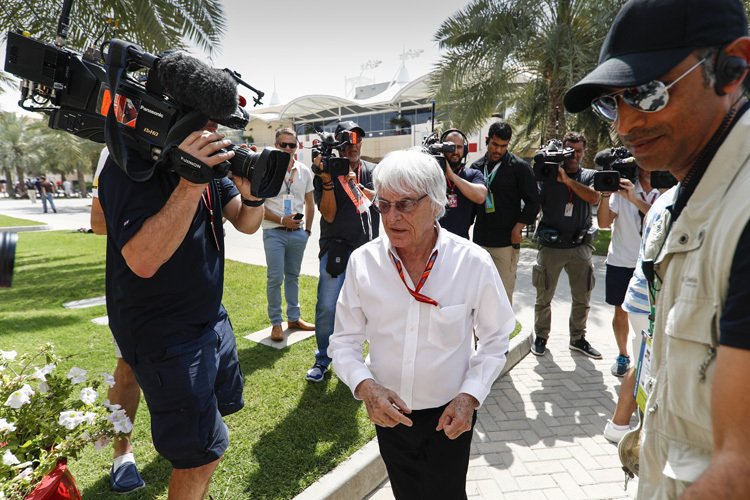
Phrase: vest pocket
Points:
(689, 359)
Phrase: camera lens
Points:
(7, 257)
(265, 170)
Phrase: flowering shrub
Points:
(46, 415)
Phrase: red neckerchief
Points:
(425, 274)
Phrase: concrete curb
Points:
(364, 471)
(23, 229)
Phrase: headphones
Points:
(727, 69)
(466, 139)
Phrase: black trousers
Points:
(423, 463)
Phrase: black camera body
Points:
(334, 165)
(148, 115)
(432, 146)
(614, 164)
(548, 159)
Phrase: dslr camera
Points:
(548, 159)
(433, 146)
(334, 165)
(96, 96)
(614, 164)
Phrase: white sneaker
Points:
(613, 434)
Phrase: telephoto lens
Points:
(265, 170)
(7, 257)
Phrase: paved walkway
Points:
(539, 433)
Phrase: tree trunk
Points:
(9, 183)
(556, 118)
(82, 183)
(592, 147)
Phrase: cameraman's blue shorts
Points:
(188, 388)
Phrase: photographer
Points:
(624, 210)
(501, 219)
(565, 243)
(165, 272)
(465, 189)
(284, 239)
(672, 78)
(349, 220)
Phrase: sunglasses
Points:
(290, 145)
(403, 206)
(649, 97)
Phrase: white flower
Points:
(70, 419)
(89, 417)
(88, 395)
(9, 458)
(121, 421)
(110, 406)
(41, 373)
(25, 475)
(8, 355)
(100, 444)
(43, 387)
(21, 397)
(77, 374)
(6, 426)
(109, 379)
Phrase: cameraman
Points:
(165, 276)
(565, 243)
(624, 210)
(465, 187)
(501, 219)
(348, 221)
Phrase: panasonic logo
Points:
(152, 112)
(191, 163)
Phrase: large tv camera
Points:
(432, 146)
(324, 147)
(614, 164)
(174, 96)
(548, 159)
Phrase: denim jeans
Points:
(325, 310)
(48, 197)
(284, 252)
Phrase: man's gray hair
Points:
(412, 171)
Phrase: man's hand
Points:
(516, 235)
(562, 176)
(288, 221)
(324, 175)
(457, 417)
(384, 406)
(627, 189)
(203, 146)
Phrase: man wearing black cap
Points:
(671, 76)
(348, 221)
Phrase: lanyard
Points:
(425, 274)
(290, 182)
(207, 193)
(491, 177)
(354, 193)
(450, 184)
(653, 198)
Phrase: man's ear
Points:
(731, 66)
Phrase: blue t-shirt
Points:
(184, 296)
(459, 219)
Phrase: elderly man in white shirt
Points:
(418, 295)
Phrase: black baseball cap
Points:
(650, 37)
(348, 126)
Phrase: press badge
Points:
(288, 201)
(568, 210)
(452, 201)
(489, 203)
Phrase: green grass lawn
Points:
(289, 434)
(6, 221)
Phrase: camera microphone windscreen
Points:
(211, 91)
(605, 158)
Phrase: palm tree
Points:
(521, 55)
(18, 135)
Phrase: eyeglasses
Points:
(403, 206)
(649, 97)
(290, 145)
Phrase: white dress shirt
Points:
(423, 353)
(297, 182)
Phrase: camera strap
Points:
(188, 166)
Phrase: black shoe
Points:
(539, 347)
(582, 345)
